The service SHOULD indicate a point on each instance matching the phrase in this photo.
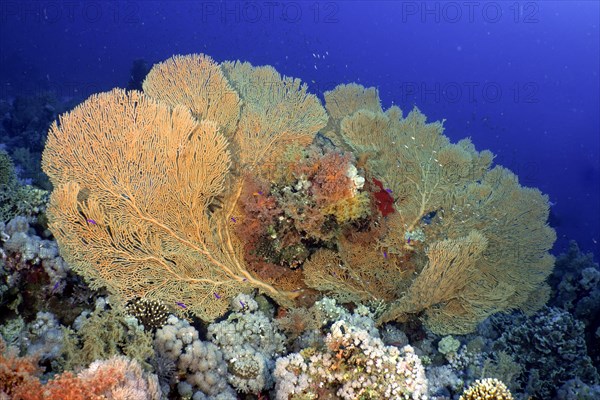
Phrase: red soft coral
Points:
(385, 201)
(15, 371)
(19, 381)
(67, 386)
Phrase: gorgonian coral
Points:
(223, 178)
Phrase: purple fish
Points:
(91, 221)
(242, 304)
(181, 304)
(259, 192)
(408, 241)
(55, 287)
(233, 219)
(388, 190)
(384, 254)
(217, 296)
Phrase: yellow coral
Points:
(487, 389)
(349, 208)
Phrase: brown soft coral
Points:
(331, 182)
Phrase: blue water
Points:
(519, 78)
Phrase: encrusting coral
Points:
(223, 178)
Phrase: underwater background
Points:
(520, 79)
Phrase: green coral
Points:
(11, 330)
(7, 170)
(17, 199)
(448, 345)
(503, 366)
(103, 334)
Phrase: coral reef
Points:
(384, 210)
(328, 251)
(576, 288)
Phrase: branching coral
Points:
(487, 389)
(352, 365)
(105, 333)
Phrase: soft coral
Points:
(67, 386)
(384, 200)
(19, 379)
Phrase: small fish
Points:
(388, 190)
(259, 192)
(233, 219)
(408, 241)
(91, 221)
(384, 254)
(217, 296)
(244, 280)
(181, 304)
(55, 287)
(242, 304)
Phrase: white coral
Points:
(136, 385)
(200, 362)
(250, 343)
(353, 363)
